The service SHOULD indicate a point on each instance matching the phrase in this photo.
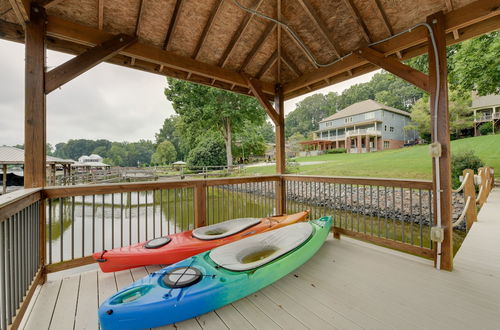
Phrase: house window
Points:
(348, 120)
(386, 144)
(370, 115)
(391, 129)
(385, 127)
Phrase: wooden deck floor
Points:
(347, 285)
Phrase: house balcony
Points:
(488, 117)
(363, 132)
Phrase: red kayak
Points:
(170, 249)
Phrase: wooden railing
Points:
(388, 212)
(60, 227)
(21, 253)
(485, 180)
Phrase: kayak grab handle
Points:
(101, 258)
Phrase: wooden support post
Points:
(4, 179)
(35, 116)
(437, 21)
(200, 205)
(359, 144)
(280, 150)
(470, 191)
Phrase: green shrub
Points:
(460, 162)
(208, 152)
(336, 151)
(486, 128)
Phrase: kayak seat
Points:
(258, 250)
(224, 229)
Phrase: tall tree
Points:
(171, 131)
(203, 108)
(165, 153)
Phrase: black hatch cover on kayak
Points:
(157, 242)
(182, 277)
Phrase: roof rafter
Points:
(449, 7)
(278, 42)
(139, 18)
(269, 63)
(387, 24)
(237, 35)
(100, 14)
(216, 8)
(290, 64)
(320, 25)
(173, 24)
(263, 37)
(357, 16)
(21, 10)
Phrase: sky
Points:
(107, 102)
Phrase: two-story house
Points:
(486, 109)
(363, 127)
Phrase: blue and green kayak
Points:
(213, 279)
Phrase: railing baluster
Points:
(385, 214)
(129, 201)
(420, 218)
(103, 224)
(168, 211)
(161, 212)
(112, 220)
(61, 234)
(72, 227)
(121, 219)
(138, 217)
(154, 214)
(402, 216)
(411, 216)
(93, 223)
(3, 274)
(146, 212)
(83, 228)
(50, 231)
(394, 212)
(175, 210)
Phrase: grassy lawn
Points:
(412, 162)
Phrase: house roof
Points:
(486, 101)
(363, 107)
(11, 156)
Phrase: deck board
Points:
(348, 284)
(86, 315)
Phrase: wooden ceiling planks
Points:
(220, 34)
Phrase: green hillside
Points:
(412, 162)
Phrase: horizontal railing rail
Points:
(21, 255)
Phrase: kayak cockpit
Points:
(259, 250)
(224, 229)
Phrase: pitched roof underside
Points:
(213, 41)
(15, 156)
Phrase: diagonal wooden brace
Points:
(403, 71)
(65, 72)
(256, 89)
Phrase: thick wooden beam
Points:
(263, 37)
(320, 25)
(84, 62)
(256, 89)
(357, 16)
(470, 14)
(35, 118)
(215, 10)
(238, 34)
(173, 24)
(269, 63)
(440, 117)
(403, 71)
(70, 31)
(280, 150)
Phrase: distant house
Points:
(486, 109)
(365, 126)
(94, 161)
